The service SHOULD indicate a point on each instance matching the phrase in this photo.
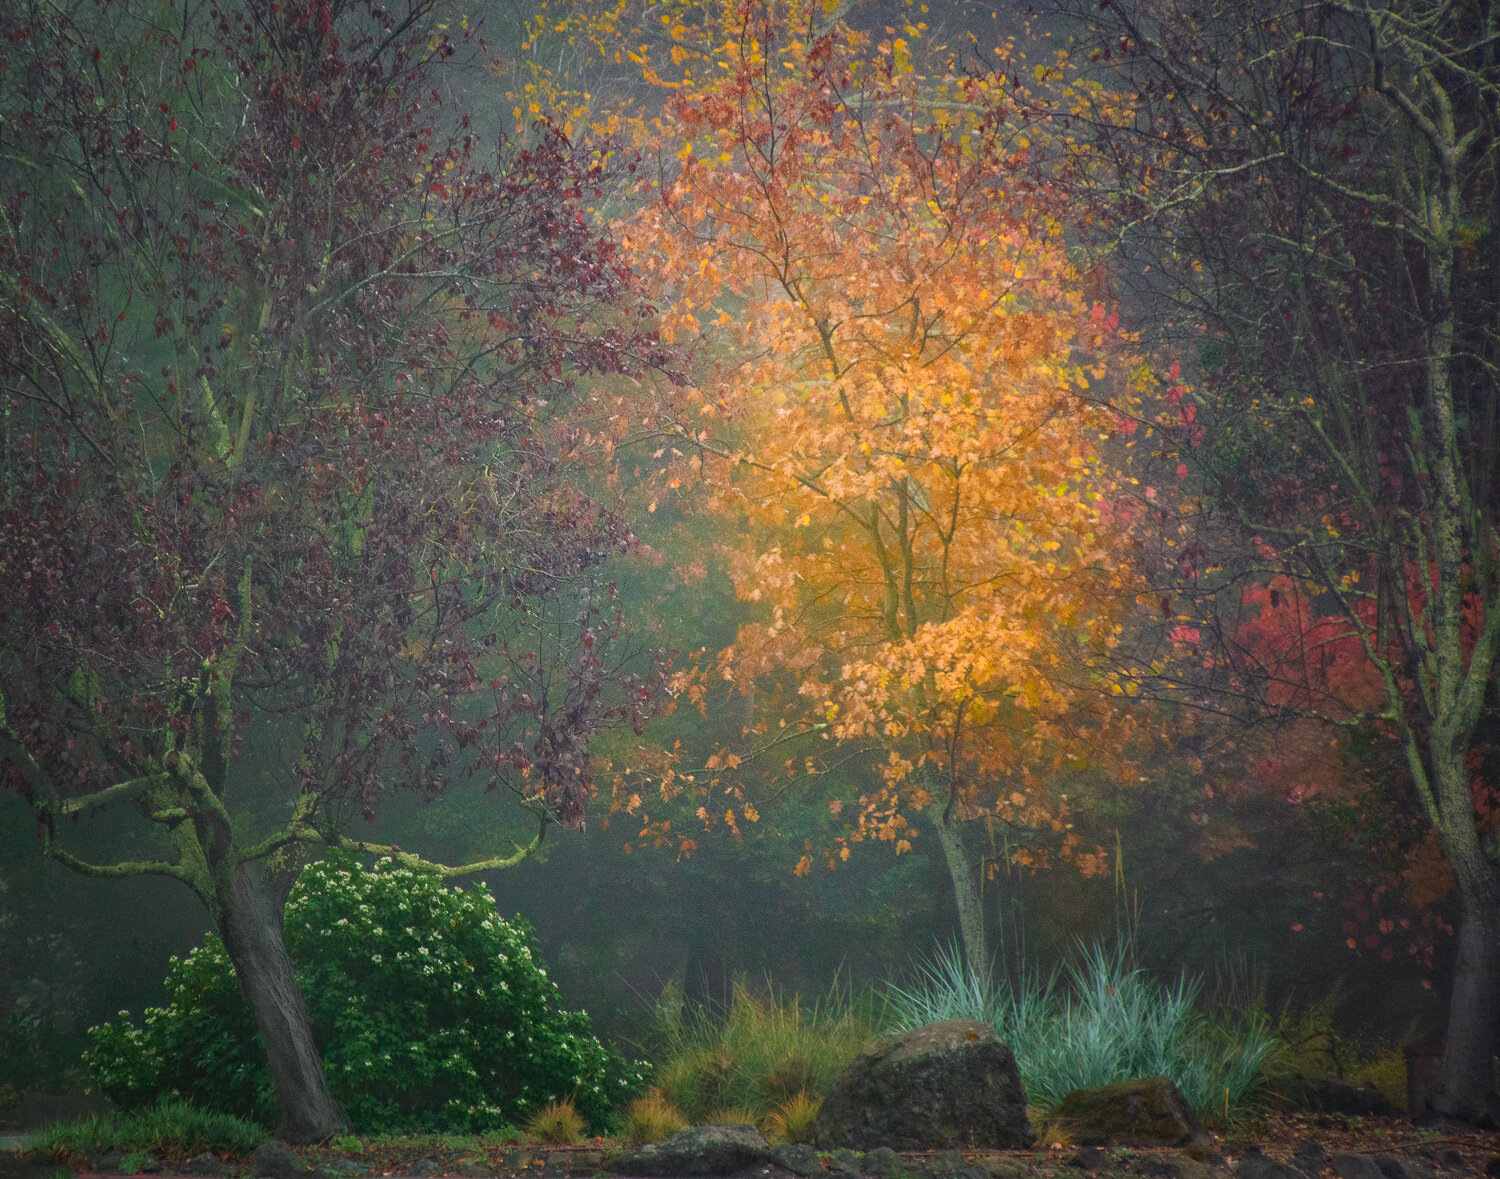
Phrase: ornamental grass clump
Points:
(794, 1121)
(1113, 1023)
(170, 1129)
(759, 1050)
(650, 1118)
(432, 1012)
(557, 1122)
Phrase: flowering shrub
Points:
(431, 1011)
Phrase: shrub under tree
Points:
(431, 1011)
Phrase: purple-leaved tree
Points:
(281, 360)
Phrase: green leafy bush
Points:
(431, 1011)
(1315, 1045)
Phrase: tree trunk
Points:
(1466, 1080)
(252, 937)
(965, 893)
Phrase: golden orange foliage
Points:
(871, 263)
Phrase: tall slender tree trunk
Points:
(252, 936)
(965, 891)
(1466, 1080)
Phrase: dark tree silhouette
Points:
(277, 355)
(1306, 194)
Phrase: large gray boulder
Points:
(702, 1150)
(946, 1085)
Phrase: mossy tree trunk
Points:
(252, 932)
(966, 894)
(1465, 1078)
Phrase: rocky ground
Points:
(1285, 1146)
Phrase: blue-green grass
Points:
(1110, 1022)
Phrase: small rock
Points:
(881, 1162)
(1090, 1158)
(346, 1167)
(1309, 1157)
(426, 1166)
(276, 1160)
(1203, 1151)
(1145, 1112)
(1258, 1166)
(843, 1163)
(1328, 1095)
(208, 1164)
(1393, 1168)
(1156, 1167)
(1492, 1167)
(701, 1150)
(798, 1158)
(1355, 1166)
(1452, 1159)
(110, 1160)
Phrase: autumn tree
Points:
(890, 424)
(1308, 672)
(278, 353)
(1307, 197)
